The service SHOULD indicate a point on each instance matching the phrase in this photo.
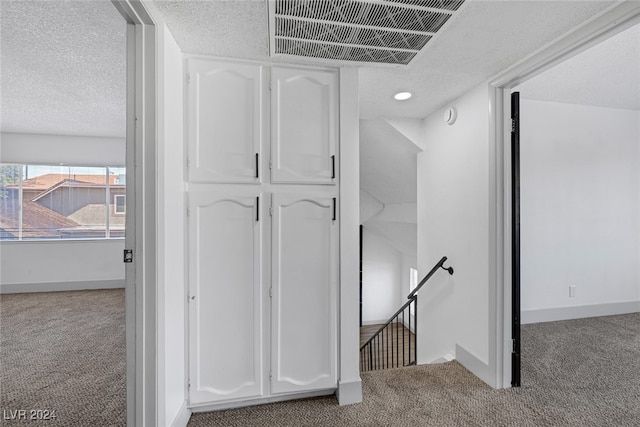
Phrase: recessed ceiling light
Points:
(402, 96)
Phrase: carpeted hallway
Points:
(575, 373)
(65, 351)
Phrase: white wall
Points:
(580, 218)
(38, 266)
(381, 279)
(56, 149)
(171, 297)
(75, 264)
(453, 195)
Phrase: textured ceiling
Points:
(483, 40)
(388, 163)
(233, 28)
(63, 68)
(63, 62)
(486, 38)
(606, 75)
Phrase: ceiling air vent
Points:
(365, 31)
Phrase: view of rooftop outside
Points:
(61, 202)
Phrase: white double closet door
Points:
(263, 293)
(263, 232)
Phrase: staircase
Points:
(394, 344)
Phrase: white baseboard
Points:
(476, 366)
(183, 416)
(349, 392)
(18, 288)
(443, 359)
(578, 312)
(208, 407)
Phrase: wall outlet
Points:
(572, 291)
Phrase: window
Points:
(119, 205)
(413, 279)
(39, 202)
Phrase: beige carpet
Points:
(576, 373)
(64, 351)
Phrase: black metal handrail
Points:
(376, 353)
(435, 268)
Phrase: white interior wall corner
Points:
(172, 368)
(453, 221)
(349, 383)
(171, 391)
(369, 206)
(411, 129)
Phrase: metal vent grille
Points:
(370, 31)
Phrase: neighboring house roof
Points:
(45, 182)
(37, 221)
(72, 183)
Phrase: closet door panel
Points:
(303, 126)
(304, 294)
(225, 310)
(225, 127)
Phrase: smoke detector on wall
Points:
(450, 116)
(356, 31)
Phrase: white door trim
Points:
(613, 20)
(140, 297)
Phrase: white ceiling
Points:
(485, 38)
(63, 62)
(63, 68)
(227, 28)
(606, 75)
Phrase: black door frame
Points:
(361, 231)
(515, 239)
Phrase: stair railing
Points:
(395, 344)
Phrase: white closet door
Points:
(304, 113)
(304, 283)
(225, 125)
(225, 310)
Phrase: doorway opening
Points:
(615, 21)
(63, 209)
